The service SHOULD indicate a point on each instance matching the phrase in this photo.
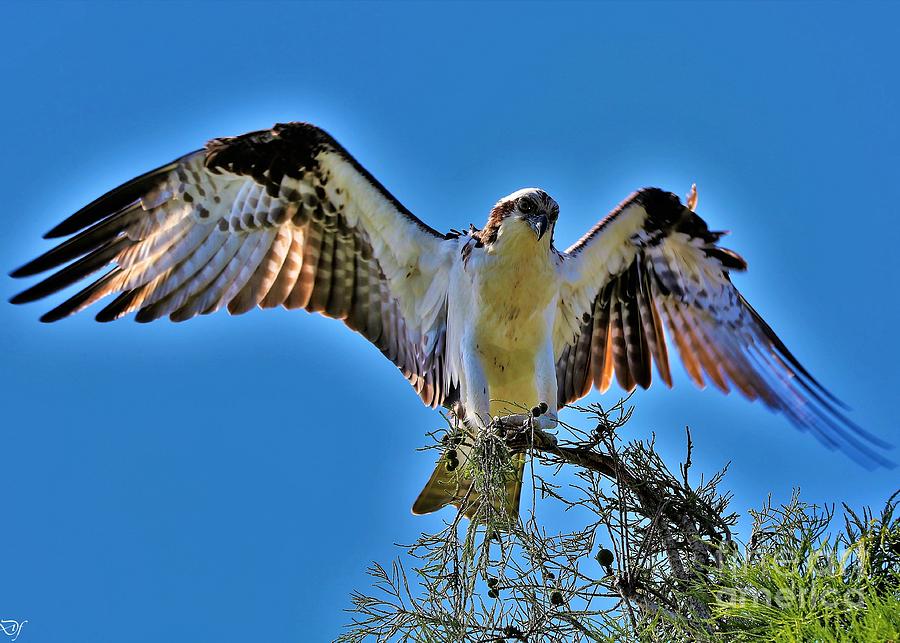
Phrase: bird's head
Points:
(529, 209)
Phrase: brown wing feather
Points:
(620, 344)
(271, 218)
(671, 273)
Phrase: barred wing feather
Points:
(280, 217)
(653, 267)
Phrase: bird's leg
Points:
(474, 392)
(521, 429)
(541, 417)
(544, 418)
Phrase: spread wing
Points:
(280, 217)
(654, 264)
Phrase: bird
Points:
(487, 322)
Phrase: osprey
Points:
(488, 322)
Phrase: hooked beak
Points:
(539, 223)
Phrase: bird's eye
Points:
(526, 206)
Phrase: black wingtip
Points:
(115, 200)
(50, 317)
(144, 316)
(81, 219)
(21, 271)
(30, 269)
(57, 232)
(24, 297)
(72, 224)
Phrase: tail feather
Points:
(447, 487)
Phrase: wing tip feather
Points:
(49, 317)
(25, 270)
(21, 298)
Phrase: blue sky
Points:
(231, 478)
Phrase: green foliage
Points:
(650, 557)
(793, 582)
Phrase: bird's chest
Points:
(513, 293)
